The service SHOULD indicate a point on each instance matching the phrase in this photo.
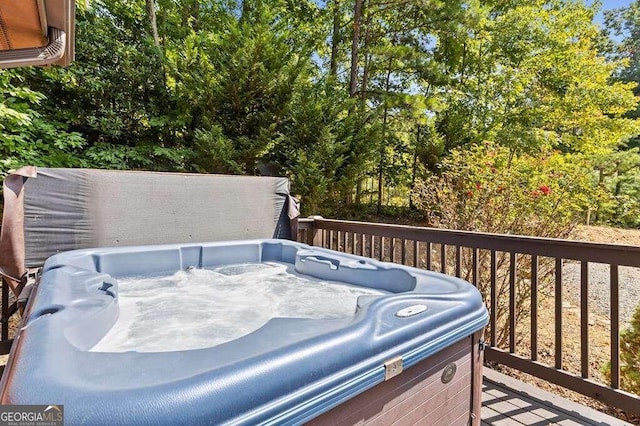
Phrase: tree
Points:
(227, 86)
(624, 23)
(28, 139)
(262, 61)
(531, 75)
(113, 93)
(355, 43)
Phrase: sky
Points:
(614, 4)
(611, 4)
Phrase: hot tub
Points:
(394, 344)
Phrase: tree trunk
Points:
(616, 174)
(335, 39)
(382, 160)
(191, 15)
(151, 15)
(357, 20)
(414, 168)
(246, 9)
(367, 62)
(383, 144)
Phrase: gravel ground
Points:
(599, 294)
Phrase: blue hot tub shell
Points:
(289, 371)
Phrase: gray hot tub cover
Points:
(48, 210)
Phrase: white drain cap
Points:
(410, 311)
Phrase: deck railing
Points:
(516, 274)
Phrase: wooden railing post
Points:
(314, 235)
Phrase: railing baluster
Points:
(331, 240)
(474, 271)
(493, 315)
(512, 303)
(362, 244)
(416, 254)
(353, 243)
(403, 251)
(443, 258)
(392, 249)
(428, 256)
(5, 309)
(584, 319)
(534, 307)
(558, 313)
(381, 251)
(344, 241)
(458, 261)
(615, 326)
(372, 246)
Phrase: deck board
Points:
(510, 402)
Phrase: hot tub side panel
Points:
(423, 394)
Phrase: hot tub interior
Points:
(198, 308)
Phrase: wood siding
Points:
(417, 396)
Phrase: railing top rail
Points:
(615, 254)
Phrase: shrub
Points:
(489, 188)
(630, 355)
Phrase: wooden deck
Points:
(507, 401)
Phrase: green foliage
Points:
(630, 355)
(532, 76)
(259, 72)
(215, 152)
(27, 138)
(318, 148)
(114, 90)
(618, 175)
(490, 188)
(624, 23)
(246, 87)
